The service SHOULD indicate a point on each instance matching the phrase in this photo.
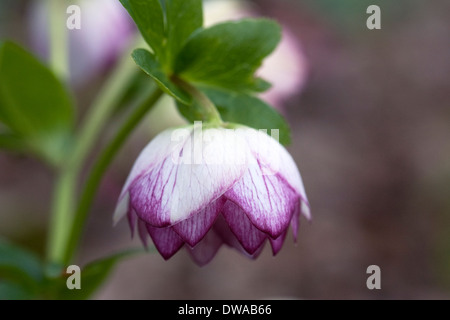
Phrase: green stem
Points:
(58, 38)
(61, 216)
(201, 102)
(67, 181)
(62, 195)
(103, 106)
(101, 166)
(11, 142)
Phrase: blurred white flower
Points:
(286, 68)
(106, 30)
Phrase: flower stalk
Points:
(59, 45)
(66, 186)
(201, 102)
(99, 168)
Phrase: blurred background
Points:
(370, 118)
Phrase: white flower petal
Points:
(250, 237)
(155, 152)
(122, 208)
(271, 188)
(267, 200)
(193, 230)
(206, 249)
(274, 159)
(166, 241)
(197, 171)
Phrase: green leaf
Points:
(94, 275)
(33, 103)
(149, 17)
(138, 87)
(20, 267)
(191, 112)
(183, 17)
(12, 291)
(148, 62)
(262, 85)
(244, 109)
(228, 54)
(12, 142)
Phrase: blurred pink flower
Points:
(286, 68)
(106, 30)
(244, 190)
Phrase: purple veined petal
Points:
(132, 219)
(295, 221)
(274, 159)
(277, 243)
(257, 253)
(193, 230)
(155, 152)
(247, 234)
(143, 232)
(206, 249)
(148, 196)
(152, 154)
(267, 200)
(222, 229)
(166, 241)
(188, 179)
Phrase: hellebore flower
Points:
(201, 188)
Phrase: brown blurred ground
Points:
(371, 136)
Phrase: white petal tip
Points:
(306, 211)
(121, 209)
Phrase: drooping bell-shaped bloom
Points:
(201, 188)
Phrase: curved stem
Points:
(62, 193)
(99, 169)
(201, 102)
(60, 220)
(103, 106)
(11, 142)
(58, 38)
(67, 182)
